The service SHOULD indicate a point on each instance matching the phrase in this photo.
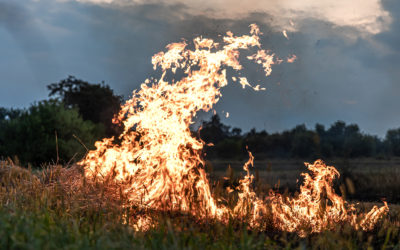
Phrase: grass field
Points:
(361, 179)
(44, 210)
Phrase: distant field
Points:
(364, 179)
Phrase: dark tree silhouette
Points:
(393, 141)
(45, 131)
(8, 114)
(95, 102)
(214, 130)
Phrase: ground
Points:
(40, 209)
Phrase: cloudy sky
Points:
(348, 65)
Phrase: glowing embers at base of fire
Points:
(158, 163)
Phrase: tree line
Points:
(340, 140)
(64, 127)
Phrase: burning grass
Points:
(58, 208)
(153, 180)
(158, 164)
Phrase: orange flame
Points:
(318, 207)
(158, 162)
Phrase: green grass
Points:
(45, 229)
(42, 210)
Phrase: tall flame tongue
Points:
(158, 162)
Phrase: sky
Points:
(348, 65)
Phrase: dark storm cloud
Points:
(341, 73)
(380, 54)
(17, 20)
(31, 57)
(392, 36)
(324, 85)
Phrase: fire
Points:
(158, 163)
(318, 207)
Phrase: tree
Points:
(214, 130)
(336, 136)
(95, 102)
(31, 136)
(393, 141)
(304, 142)
(257, 143)
(6, 114)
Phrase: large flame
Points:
(158, 162)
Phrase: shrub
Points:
(35, 135)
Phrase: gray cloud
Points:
(23, 33)
(327, 83)
(338, 75)
(24, 29)
(367, 16)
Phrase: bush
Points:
(95, 102)
(31, 136)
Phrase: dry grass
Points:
(361, 179)
(56, 208)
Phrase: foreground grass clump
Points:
(55, 208)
